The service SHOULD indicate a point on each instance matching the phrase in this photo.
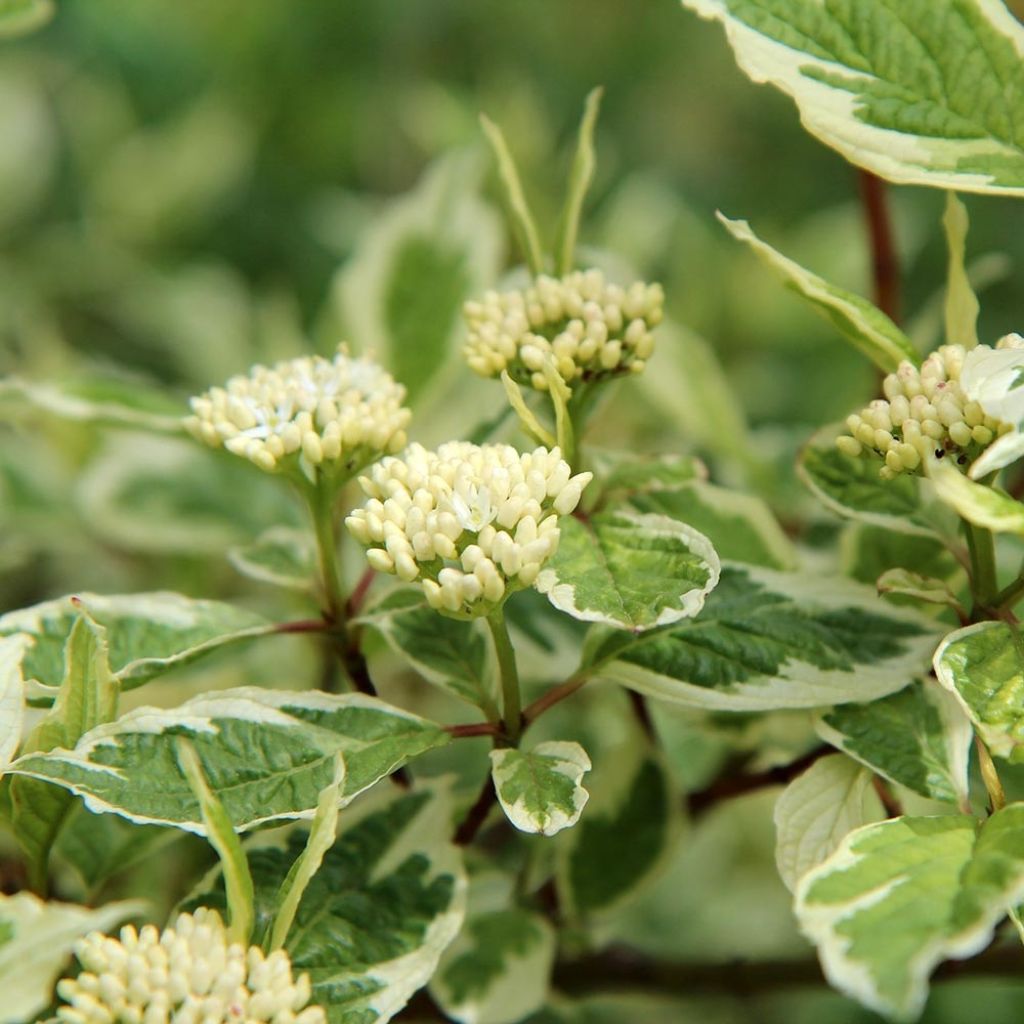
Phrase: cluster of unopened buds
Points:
(926, 413)
(470, 523)
(582, 325)
(189, 973)
(337, 412)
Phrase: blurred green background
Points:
(187, 187)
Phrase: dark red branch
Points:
(885, 265)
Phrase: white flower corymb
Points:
(189, 973)
(587, 328)
(927, 411)
(469, 522)
(340, 411)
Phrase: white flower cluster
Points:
(320, 410)
(470, 522)
(586, 326)
(187, 974)
(925, 412)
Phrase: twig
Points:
(889, 802)
(884, 261)
(472, 729)
(477, 815)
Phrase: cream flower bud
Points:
(588, 328)
(311, 411)
(470, 523)
(955, 406)
(190, 971)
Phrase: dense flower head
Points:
(469, 522)
(189, 973)
(321, 411)
(589, 328)
(926, 412)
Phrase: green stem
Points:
(511, 701)
(982, 551)
(320, 498)
(1010, 595)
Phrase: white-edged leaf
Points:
(629, 570)
(983, 667)
(625, 475)
(87, 698)
(859, 321)
(977, 503)
(281, 555)
(922, 92)
(148, 634)
(12, 695)
(740, 526)
(817, 810)
(918, 738)
(374, 920)
(100, 403)
(539, 790)
(448, 652)
(267, 755)
(898, 897)
(36, 939)
(852, 488)
(961, 302)
(768, 640)
(626, 837)
(498, 969)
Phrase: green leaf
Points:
(523, 225)
(36, 939)
(923, 92)
(977, 503)
(767, 641)
(898, 897)
(12, 695)
(623, 475)
(99, 403)
(961, 302)
(865, 326)
(87, 699)
(148, 633)
(629, 570)
(817, 810)
(852, 488)
(497, 970)
(918, 738)
(223, 838)
(447, 652)
(401, 295)
(99, 846)
(267, 754)
(374, 920)
(983, 667)
(580, 178)
(625, 840)
(740, 526)
(20, 16)
(539, 790)
(904, 583)
(283, 556)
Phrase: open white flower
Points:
(929, 411)
(340, 412)
(470, 523)
(186, 974)
(589, 329)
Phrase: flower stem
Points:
(511, 701)
(320, 498)
(982, 551)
